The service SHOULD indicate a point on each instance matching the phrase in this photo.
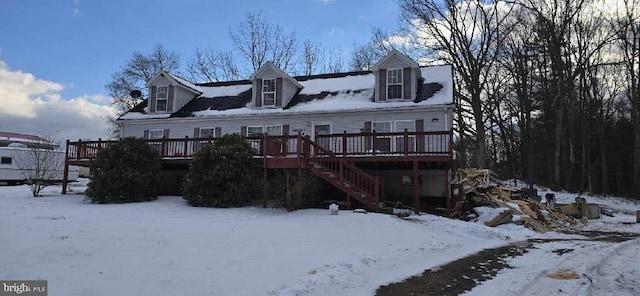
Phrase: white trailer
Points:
(12, 155)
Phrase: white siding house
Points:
(406, 107)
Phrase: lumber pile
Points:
(481, 188)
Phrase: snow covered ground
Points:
(165, 247)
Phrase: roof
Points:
(319, 93)
(8, 138)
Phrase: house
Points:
(392, 125)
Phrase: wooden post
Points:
(264, 188)
(406, 142)
(299, 148)
(374, 144)
(344, 144)
(377, 193)
(163, 147)
(416, 188)
(97, 148)
(186, 144)
(79, 149)
(65, 173)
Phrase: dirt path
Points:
(462, 275)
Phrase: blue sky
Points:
(75, 45)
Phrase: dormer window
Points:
(162, 95)
(269, 92)
(394, 84)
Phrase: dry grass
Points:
(563, 274)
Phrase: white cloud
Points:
(325, 1)
(31, 105)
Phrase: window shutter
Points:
(278, 92)
(382, 85)
(145, 135)
(152, 100)
(170, 99)
(218, 132)
(165, 133)
(419, 125)
(285, 129)
(196, 132)
(258, 84)
(406, 83)
(243, 131)
(420, 138)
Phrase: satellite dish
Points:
(135, 94)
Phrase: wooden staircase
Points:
(345, 176)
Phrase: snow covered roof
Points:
(7, 138)
(319, 93)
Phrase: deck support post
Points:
(264, 188)
(416, 188)
(65, 172)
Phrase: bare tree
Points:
(136, 72)
(211, 65)
(467, 34)
(258, 41)
(627, 28)
(311, 57)
(40, 164)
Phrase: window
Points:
(274, 130)
(410, 126)
(254, 131)
(161, 98)
(156, 134)
(5, 160)
(207, 132)
(321, 130)
(269, 92)
(408, 180)
(394, 84)
(382, 143)
(381, 126)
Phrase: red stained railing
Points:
(341, 145)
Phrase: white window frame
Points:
(151, 132)
(266, 129)
(324, 142)
(265, 92)
(321, 123)
(249, 134)
(213, 132)
(412, 138)
(386, 138)
(165, 99)
(397, 79)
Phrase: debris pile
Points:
(475, 190)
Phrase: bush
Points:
(125, 171)
(224, 174)
(294, 190)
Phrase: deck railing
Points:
(342, 145)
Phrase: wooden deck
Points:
(330, 157)
(282, 150)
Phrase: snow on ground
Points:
(165, 247)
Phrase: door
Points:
(323, 129)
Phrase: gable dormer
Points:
(272, 87)
(396, 77)
(168, 93)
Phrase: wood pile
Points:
(481, 188)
